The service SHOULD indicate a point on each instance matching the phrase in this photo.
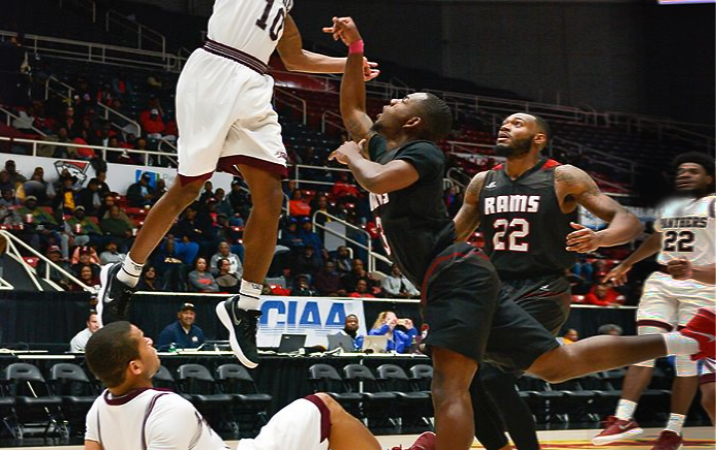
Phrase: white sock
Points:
(249, 295)
(678, 344)
(130, 272)
(676, 423)
(625, 409)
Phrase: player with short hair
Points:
(227, 122)
(684, 239)
(465, 321)
(131, 414)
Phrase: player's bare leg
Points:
(347, 432)
(454, 427)
(708, 400)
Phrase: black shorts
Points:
(546, 298)
(463, 312)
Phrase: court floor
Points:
(696, 438)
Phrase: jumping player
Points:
(526, 209)
(465, 322)
(684, 237)
(130, 414)
(226, 122)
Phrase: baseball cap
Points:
(53, 249)
(212, 200)
(186, 306)
(30, 197)
(146, 176)
(154, 111)
(80, 208)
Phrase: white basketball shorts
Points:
(668, 303)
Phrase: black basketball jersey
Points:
(524, 228)
(414, 221)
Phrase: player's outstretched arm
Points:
(296, 59)
(468, 218)
(623, 225)
(618, 275)
(376, 178)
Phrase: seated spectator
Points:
(85, 275)
(8, 198)
(79, 341)
(65, 198)
(290, 236)
(55, 256)
(207, 192)
(195, 228)
(85, 255)
(183, 333)
(298, 206)
(350, 280)
(239, 198)
(303, 287)
(570, 337)
(44, 192)
(344, 188)
(148, 280)
(310, 237)
(361, 290)
(227, 281)
(200, 280)
(90, 197)
(152, 123)
(396, 285)
(602, 294)
(223, 205)
(84, 230)
(117, 229)
(610, 329)
(350, 329)
(43, 224)
(14, 176)
(5, 183)
(110, 254)
(328, 282)
(224, 252)
(307, 261)
(170, 263)
(86, 259)
(343, 260)
(139, 194)
(388, 324)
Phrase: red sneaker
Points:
(668, 440)
(702, 328)
(616, 430)
(425, 441)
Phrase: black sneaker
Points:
(242, 330)
(113, 297)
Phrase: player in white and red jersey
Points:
(684, 237)
(131, 415)
(226, 122)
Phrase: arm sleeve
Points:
(427, 159)
(380, 331)
(91, 433)
(385, 285)
(75, 345)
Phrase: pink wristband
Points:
(356, 47)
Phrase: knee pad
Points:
(647, 330)
(685, 367)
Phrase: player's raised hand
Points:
(369, 69)
(584, 240)
(680, 269)
(346, 151)
(345, 29)
(618, 275)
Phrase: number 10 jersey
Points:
(687, 227)
(523, 225)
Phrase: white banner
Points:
(316, 317)
(119, 176)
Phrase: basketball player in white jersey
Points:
(226, 122)
(685, 239)
(131, 415)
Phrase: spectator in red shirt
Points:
(344, 188)
(152, 123)
(602, 294)
(361, 290)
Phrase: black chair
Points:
(34, 402)
(196, 382)
(250, 404)
(71, 383)
(325, 378)
(575, 404)
(379, 408)
(540, 398)
(7, 412)
(413, 405)
(606, 397)
(421, 376)
(654, 402)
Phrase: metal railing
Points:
(326, 121)
(110, 112)
(299, 167)
(65, 89)
(10, 115)
(143, 33)
(372, 256)
(13, 251)
(291, 102)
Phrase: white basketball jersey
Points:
(149, 419)
(251, 26)
(687, 229)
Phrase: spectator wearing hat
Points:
(115, 228)
(182, 333)
(200, 279)
(110, 254)
(84, 230)
(303, 287)
(224, 252)
(55, 256)
(87, 257)
(90, 198)
(65, 200)
(152, 123)
(140, 194)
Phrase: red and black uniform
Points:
(461, 310)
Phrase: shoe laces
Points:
(252, 325)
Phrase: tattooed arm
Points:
(468, 218)
(573, 185)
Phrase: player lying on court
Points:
(131, 415)
(465, 322)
